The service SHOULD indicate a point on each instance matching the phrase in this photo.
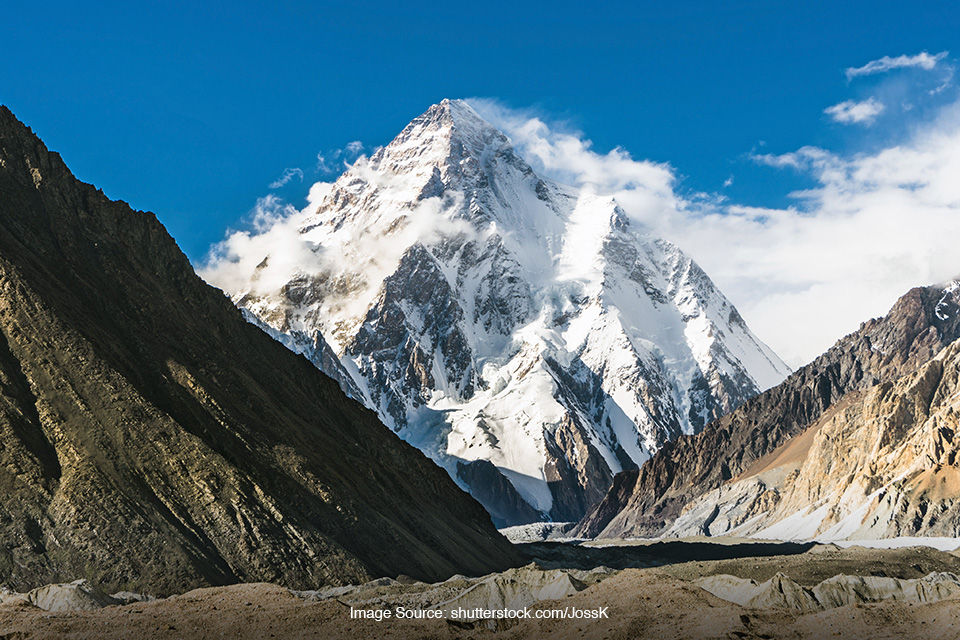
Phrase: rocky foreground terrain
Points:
(785, 591)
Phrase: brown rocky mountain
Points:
(648, 501)
(881, 463)
(152, 439)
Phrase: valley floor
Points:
(639, 602)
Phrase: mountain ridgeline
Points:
(527, 336)
(153, 439)
(765, 444)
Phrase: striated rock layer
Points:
(882, 464)
(525, 335)
(152, 439)
(679, 478)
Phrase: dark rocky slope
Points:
(646, 502)
(152, 439)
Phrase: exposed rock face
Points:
(152, 438)
(882, 464)
(488, 314)
(646, 503)
(494, 491)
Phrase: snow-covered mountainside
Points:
(525, 335)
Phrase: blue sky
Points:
(193, 111)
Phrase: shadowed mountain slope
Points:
(151, 438)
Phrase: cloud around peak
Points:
(558, 151)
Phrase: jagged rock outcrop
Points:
(75, 596)
(153, 439)
(842, 590)
(488, 314)
(647, 502)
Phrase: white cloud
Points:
(921, 61)
(233, 263)
(800, 159)
(850, 111)
(329, 162)
(286, 177)
(945, 83)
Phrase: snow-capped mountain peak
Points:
(523, 333)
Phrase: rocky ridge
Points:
(882, 464)
(841, 590)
